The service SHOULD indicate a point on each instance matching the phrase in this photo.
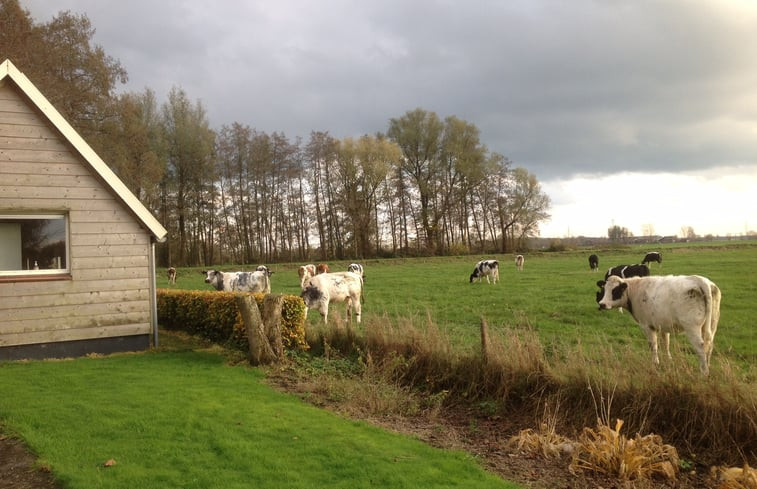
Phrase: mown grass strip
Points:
(186, 419)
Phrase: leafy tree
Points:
(135, 149)
(522, 208)
(418, 133)
(362, 166)
(76, 76)
(188, 194)
(320, 153)
(687, 232)
(618, 234)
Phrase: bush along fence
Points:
(218, 317)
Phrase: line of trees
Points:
(238, 195)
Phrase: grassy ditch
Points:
(416, 370)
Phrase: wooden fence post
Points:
(272, 324)
(261, 352)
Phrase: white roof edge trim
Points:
(98, 165)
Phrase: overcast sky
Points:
(629, 112)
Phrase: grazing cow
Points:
(519, 262)
(486, 269)
(305, 272)
(652, 256)
(325, 288)
(668, 304)
(594, 263)
(628, 271)
(321, 268)
(171, 275)
(256, 281)
(356, 268)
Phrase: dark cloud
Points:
(561, 88)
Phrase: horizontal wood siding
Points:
(108, 294)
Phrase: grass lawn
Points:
(187, 419)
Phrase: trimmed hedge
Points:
(214, 316)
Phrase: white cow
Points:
(668, 304)
(305, 272)
(486, 269)
(519, 262)
(256, 281)
(325, 288)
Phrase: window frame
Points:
(45, 274)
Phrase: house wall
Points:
(108, 293)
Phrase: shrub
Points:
(214, 316)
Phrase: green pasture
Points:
(186, 419)
(554, 295)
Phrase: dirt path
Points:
(18, 469)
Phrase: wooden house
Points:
(77, 257)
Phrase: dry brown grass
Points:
(607, 451)
(736, 477)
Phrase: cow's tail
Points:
(712, 317)
(362, 290)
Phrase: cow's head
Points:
(611, 292)
(214, 278)
(311, 295)
(263, 268)
(474, 275)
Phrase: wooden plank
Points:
(113, 273)
(19, 289)
(29, 134)
(50, 182)
(116, 214)
(55, 204)
(109, 262)
(15, 193)
(11, 102)
(15, 117)
(26, 138)
(106, 227)
(32, 156)
(77, 298)
(69, 315)
(122, 239)
(75, 334)
(37, 168)
(98, 251)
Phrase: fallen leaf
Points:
(110, 463)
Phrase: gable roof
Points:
(97, 165)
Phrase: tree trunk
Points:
(263, 351)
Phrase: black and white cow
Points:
(257, 281)
(628, 271)
(263, 268)
(486, 269)
(322, 289)
(356, 268)
(594, 263)
(668, 304)
(652, 256)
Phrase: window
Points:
(33, 244)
